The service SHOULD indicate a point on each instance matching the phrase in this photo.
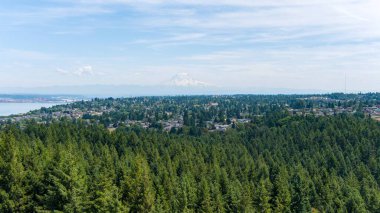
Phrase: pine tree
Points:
(64, 182)
(104, 193)
(12, 189)
(139, 189)
(300, 195)
(262, 197)
(204, 202)
(282, 196)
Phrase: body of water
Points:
(17, 108)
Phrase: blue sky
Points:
(259, 43)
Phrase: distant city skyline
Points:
(314, 45)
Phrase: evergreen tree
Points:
(140, 194)
(262, 197)
(12, 189)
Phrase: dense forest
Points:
(275, 163)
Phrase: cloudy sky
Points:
(291, 44)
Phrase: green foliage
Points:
(275, 164)
(139, 190)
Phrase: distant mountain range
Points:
(179, 84)
(176, 87)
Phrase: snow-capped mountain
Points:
(184, 80)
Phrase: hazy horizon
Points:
(110, 90)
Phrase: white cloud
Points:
(217, 56)
(243, 22)
(62, 71)
(343, 19)
(86, 70)
(186, 38)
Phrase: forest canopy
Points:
(275, 163)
